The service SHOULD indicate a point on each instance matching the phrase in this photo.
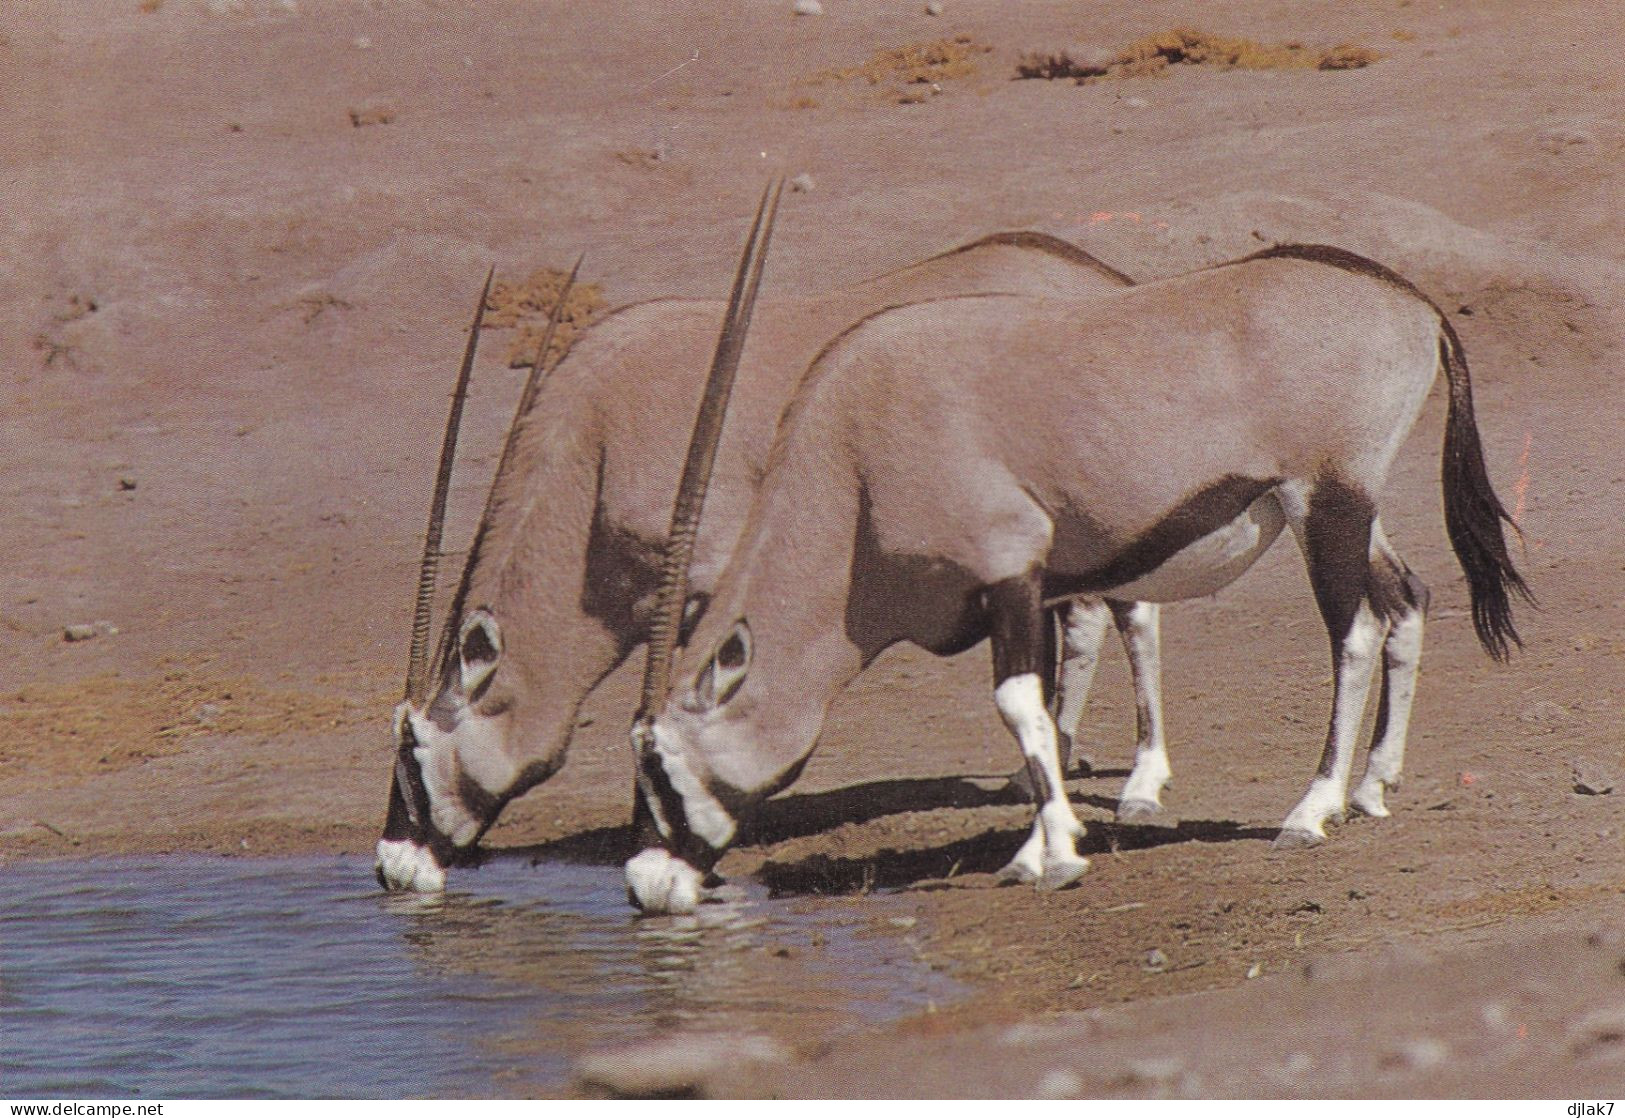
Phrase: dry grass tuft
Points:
(109, 722)
(528, 306)
(1184, 46)
(917, 64)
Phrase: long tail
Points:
(1473, 513)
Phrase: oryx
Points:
(559, 584)
(946, 468)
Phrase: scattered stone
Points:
(1155, 960)
(933, 8)
(1157, 1071)
(808, 8)
(1590, 779)
(1058, 1083)
(802, 183)
(903, 921)
(126, 484)
(1545, 714)
(1554, 141)
(1421, 1054)
(1255, 971)
(674, 1065)
(74, 633)
(1603, 1028)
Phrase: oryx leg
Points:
(1137, 623)
(1083, 630)
(1334, 530)
(1402, 598)
(1020, 631)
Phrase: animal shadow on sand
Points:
(813, 813)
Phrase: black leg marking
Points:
(1023, 641)
(1337, 535)
(1053, 654)
(1043, 790)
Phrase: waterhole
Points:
(198, 977)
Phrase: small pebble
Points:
(802, 183)
(1590, 779)
(808, 8)
(1602, 1028)
(126, 484)
(1256, 970)
(79, 633)
(935, 9)
(678, 1063)
(1421, 1054)
(1155, 960)
(1060, 1083)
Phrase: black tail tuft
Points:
(1473, 513)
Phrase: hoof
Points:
(1132, 811)
(1058, 874)
(1055, 873)
(405, 867)
(657, 883)
(1370, 801)
(1296, 838)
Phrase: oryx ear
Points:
(726, 671)
(479, 647)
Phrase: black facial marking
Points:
(683, 842)
(1209, 509)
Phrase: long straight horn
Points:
(533, 382)
(527, 397)
(702, 453)
(417, 663)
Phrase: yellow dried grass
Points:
(1185, 46)
(528, 305)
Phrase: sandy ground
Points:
(243, 238)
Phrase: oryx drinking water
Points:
(559, 585)
(946, 468)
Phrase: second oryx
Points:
(559, 585)
(946, 468)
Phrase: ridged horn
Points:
(702, 452)
(417, 661)
(527, 397)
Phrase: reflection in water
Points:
(263, 977)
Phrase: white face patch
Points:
(437, 764)
(407, 867)
(707, 818)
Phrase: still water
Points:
(252, 978)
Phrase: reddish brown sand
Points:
(242, 240)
